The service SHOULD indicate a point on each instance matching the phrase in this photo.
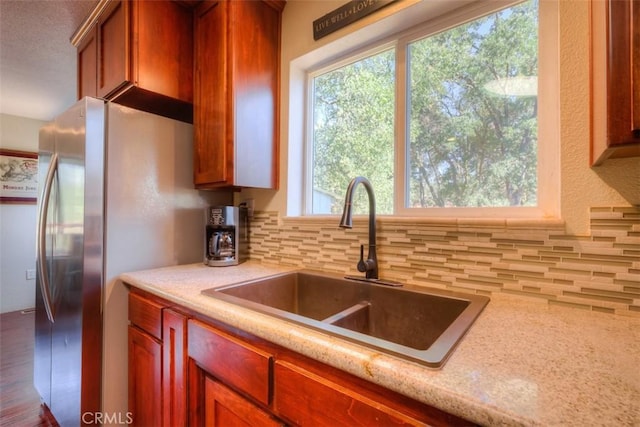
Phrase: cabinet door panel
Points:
(256, 57)
(87, 65)
(162, 48)
(213, 139)
(145, 379)
(113, 49)
(615, 79)
(225, 408)
(624, 43)
(236, 95)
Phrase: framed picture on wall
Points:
(18, 176)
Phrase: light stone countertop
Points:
(521, 363)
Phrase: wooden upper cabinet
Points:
(88, 65)
(144, 56)
(615, 31)
(114, 33)
(236, 98)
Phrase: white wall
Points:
(17, 223)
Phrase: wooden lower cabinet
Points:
(200, 372)
(308, 399)
(157, 363)
(239, 364)
(223, 407)
(145, 381)
(230, 379)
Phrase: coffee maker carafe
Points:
(227, 235)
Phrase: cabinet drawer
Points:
(146, 314)
(307, 399)
(235, 362)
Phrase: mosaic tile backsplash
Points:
(598, 272)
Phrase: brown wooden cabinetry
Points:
(145, 366)
(236, 98)
(238, 364)
(88, 65)
(188, 370)
(310, 399)
(229, 379)
(157, 363)
(223, 407)
(235, 377)
(145, 361)
(615, 32)
(139, 53)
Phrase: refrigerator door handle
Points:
(41, 239)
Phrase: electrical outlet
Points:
(31, 274)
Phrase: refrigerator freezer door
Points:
(43, 325)
(67, 267)
(70, 286)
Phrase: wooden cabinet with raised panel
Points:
(236, 98)
(615, 44)
(145, 381)
(223, 407)
(234, 377)
(139, 53)
(88, 64)
(145, 361)
(157, 363)
(221, 363)
(185, 369)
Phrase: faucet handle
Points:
(362, 264)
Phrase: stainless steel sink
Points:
(417, 323)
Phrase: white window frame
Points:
(311, 75)
(548, 165)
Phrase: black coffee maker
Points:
(227, 235)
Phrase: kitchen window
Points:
(444, 120)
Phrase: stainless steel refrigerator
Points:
(116, 195)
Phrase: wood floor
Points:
(19, 401)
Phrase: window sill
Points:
(457, 223)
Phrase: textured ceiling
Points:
(37, 60)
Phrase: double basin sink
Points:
(420, 324)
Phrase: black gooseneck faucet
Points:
(370, 265)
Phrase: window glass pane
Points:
(472, 95)
(353, 109)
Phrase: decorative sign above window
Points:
(345, 15)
